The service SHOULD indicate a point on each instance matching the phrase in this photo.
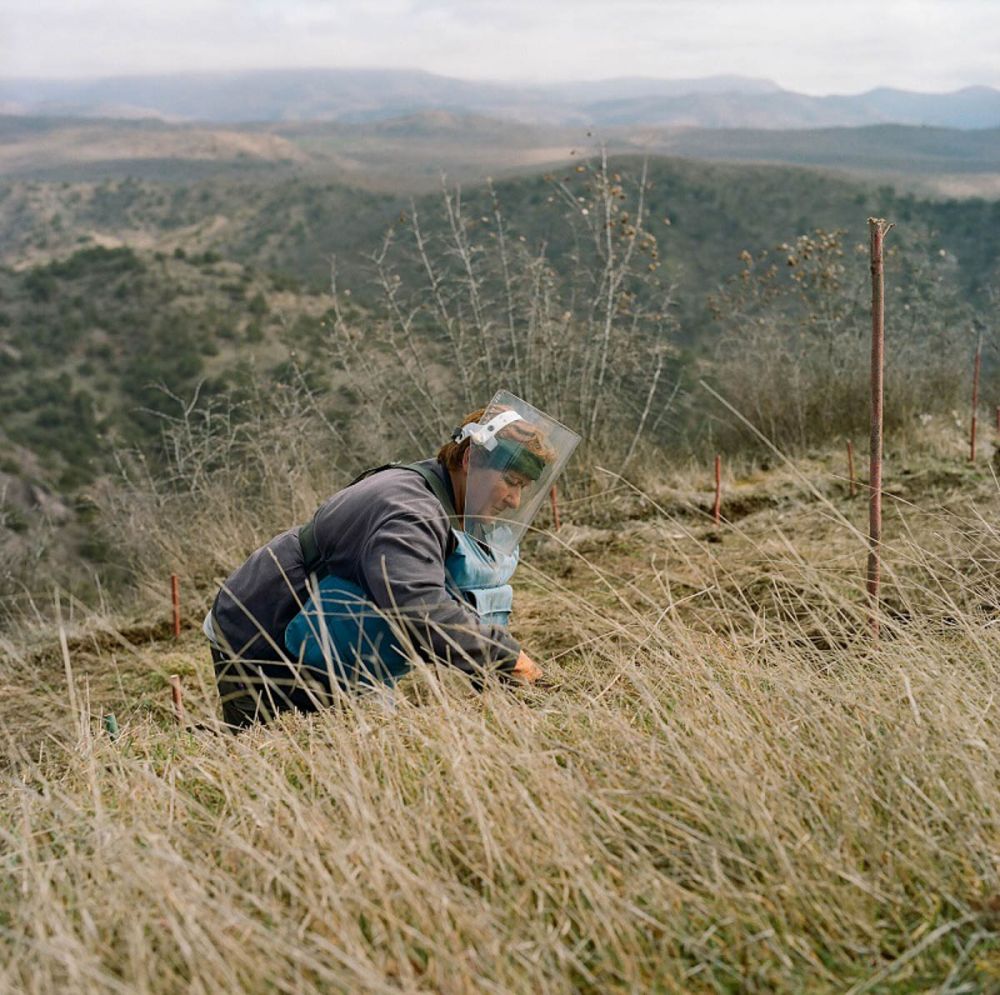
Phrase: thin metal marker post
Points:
(175, 598)
(977, 366)
(177, 694)
(878, 228)
(717, 506)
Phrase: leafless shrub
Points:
(468, 306)
(793, 353)
(233, 472)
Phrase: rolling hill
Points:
(133, 282)
(409, 154)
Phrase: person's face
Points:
(504, 490)
(494, 493)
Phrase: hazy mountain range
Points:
(371, 95)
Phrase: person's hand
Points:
(526, 670)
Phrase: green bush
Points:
(96, 260)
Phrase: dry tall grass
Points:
(727, 788)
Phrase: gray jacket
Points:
(388, 534)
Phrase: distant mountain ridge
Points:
(353, 95)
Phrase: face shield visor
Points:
(515, 455)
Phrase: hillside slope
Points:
(120, 301)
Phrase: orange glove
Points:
(526, 670)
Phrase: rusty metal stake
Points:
(175, 597)
(717, 507)
(877, 230)
(975, 398)
(850, 469)
(554, 501)
(177, 694)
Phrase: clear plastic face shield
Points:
(515, 455)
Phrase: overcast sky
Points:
(814, 46)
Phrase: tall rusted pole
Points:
(850, 469)
(717, 507)
(175, 598)
(877, 230)
(975, 397)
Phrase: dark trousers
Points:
(257, 690)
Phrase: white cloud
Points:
(817, 47)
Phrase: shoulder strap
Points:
(440, 490)
(377, 469)
(310, 552)
(312, 558)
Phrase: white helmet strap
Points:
(486, 435)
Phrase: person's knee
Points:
(241, 706)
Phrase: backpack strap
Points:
(378, 469)
(312, 559)
(440, 489)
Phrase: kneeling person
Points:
(406, 560)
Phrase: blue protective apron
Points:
(480, 576)
(347, 637)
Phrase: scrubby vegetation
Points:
(143, 286)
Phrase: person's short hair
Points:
(452, 453)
